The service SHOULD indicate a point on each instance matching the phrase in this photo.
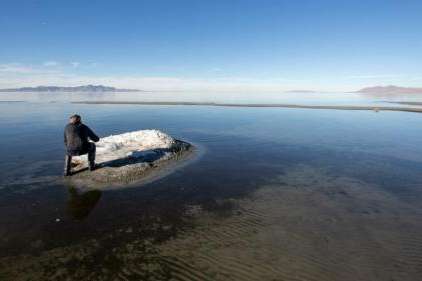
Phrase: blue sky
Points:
(212, 45)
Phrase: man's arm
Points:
(65, 138)
(91, 135)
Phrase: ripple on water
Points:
(305, 225)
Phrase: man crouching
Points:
(76, 140)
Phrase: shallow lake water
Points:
(277, 194)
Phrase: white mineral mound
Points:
(132, 144)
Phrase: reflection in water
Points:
(242, 97)
(80, 204)
(279, 195)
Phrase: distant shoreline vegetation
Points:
(84, 88)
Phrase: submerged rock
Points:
(130, 157)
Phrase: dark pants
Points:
(90, 150)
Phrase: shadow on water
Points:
(80, 204)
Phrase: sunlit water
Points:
(278, 194)
(298, 98)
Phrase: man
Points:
(76, 140)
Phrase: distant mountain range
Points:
(84, 88)
(377, 90)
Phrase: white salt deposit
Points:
(131, 157)
(133, 144)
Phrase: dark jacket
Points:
(76, 138)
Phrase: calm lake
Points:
(277, 193)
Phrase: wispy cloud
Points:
(375, 76)
(11, 73)
(15, 68)
(68, 74)
(51, 63)
(75, 64)
(416, 78)
(9, 80)
(216, 69)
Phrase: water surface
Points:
(279, 194)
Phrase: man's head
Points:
(74, 119)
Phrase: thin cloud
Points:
(50, 63)
(375, 76)
(17, 75)
(75, 64)
(7, 80)
(93, 64)
(15, 68)
(416, 78)
(10, 71)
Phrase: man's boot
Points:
(92, 165)
(91, 157)
(67, 165)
